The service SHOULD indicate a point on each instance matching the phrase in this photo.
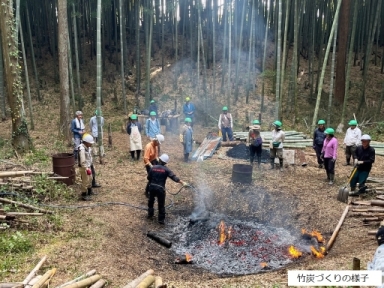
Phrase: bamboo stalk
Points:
(147, 281)
(372, 232)
(136, 281)
(33, 281)
(99, 284)
(25, 205)
(336, 231)
(158, 282)
(377, 203)
(14, 173)
(45, 278)
(372, 219)
(10, 284)
(86, 275)
(85, 282)
(33, 272)
(365, 214)
(23, 214)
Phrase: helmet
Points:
(152, 101)
(153, 113)
(277, 123)
(187, 99)
(134, 117)
(256, 122)
(329, 131)
(88, 138)
(352, 123)
(164, 158)
(97, 112)
(160, 138)
(366, 137)
(78, 113)
(380, 235)
(225, 108)
(320, 122)
(189, 120)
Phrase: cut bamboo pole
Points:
(14, 173)
(10, 284)
(33, 272)
(24, 205)
(136, 281)
(45, 278)
(33, 281)
(85, 282)
(373, 219)
(334, 235)
(364, 214)
(158, 282)
(23, 214)
(86, 275)
(99, 284)
(147, 281)
(377, 203)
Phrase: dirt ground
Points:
(112, 239)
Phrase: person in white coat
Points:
(352, 139)
(276, 145)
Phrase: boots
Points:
(90, 192)
(353, 192)
(186, 157)
(331, 178)
(138, 152)
(85, 196)
(327, 180)
(281, 164)
(258, 161)
(347, 161)
(272, 163)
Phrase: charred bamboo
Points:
(159, 239)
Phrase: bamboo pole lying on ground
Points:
(85, 282)
(45, 278)
(33, 272)
(336, 231)
(23, 214)
(33, 281)
(10, 284)
(147, 281)
(99, 284)
(136, 281)
(25, 205)
(14, 173)
(377, 203)
(158, 282)
(363, 214)
(86, 275)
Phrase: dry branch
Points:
(99, 284)
(136, 281)
(86, 275)
(147, 281)
(334, 235)
(25, 205)
(33, 272)
(85, 282)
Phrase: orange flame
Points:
(263, 264)
(188, 257)
(318, 254)
(315, 234)
(294, 252)
(222, 235)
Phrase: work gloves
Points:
(185, 184)
(357, 162)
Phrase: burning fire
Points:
(222, 235)
(318, 254)
(315, 234)
(263, 264)
(295, 253)
(188, 257)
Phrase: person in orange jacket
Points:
(151, 155)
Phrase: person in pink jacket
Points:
(329, 154)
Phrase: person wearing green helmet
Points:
(134, 131)
(186, 138)
(226, 124)
(351, 141)
(329, 154)
(152, 107)
(276, 145)
(318, 140)
(189, 110)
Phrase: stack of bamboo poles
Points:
(14, 217)
(379, 147)
(376, 184)
(147, 279)
(293, 139)
(33, 280)
(371, 212)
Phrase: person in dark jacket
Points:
(255, 146)
(365, 157)
(157, 177)
(152, 107)
(318, 140)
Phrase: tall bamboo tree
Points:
(239, 52)
(74, 23)
(148, 56)
(278, 71)
(122, 56)
(228, 92)
(264, 58)
(330, 99)
(285, 44)
(98, 81)
(2, 91)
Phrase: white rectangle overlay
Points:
(311, 278)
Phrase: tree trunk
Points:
(278, 71)
(20, 137)
(318, 99)
(74, 17)
(229, 53)
(138, 63)
(264, 58)
(2, 91)
(250, 59)
(148, 48)
(64, 129)
(122, 56)
(329, 112)
(99, 74)
(285, 46)
(239, 52)
(224, 41)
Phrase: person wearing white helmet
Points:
(151, 155)
(77, 128)
(157, 178)
(365, 157)
(85, 164)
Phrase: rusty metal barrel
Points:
(63, 165)
(241, 173)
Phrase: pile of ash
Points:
(241, 151)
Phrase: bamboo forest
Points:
(236, 101)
